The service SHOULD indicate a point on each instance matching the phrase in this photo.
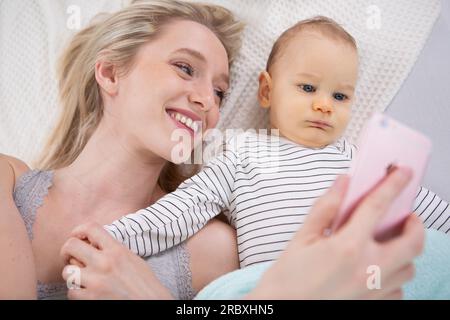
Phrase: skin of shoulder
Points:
(18, 166)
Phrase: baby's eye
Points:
(340, 96)
(308, 88)
(185, 68)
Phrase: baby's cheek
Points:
(344, 116)
(340, 128)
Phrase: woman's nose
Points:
(323, 104)
(203, 96)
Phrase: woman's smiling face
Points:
(175, 86)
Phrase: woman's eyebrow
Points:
(199, 56)
(194, 53)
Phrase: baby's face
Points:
(311, 89)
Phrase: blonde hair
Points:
(325, 25)
(117, 38)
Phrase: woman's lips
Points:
(185, 112)
(185, 119)
(181, 125)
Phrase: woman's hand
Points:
(316, 266)
(107, 269)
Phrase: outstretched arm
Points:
(180, 214)
(434, 212)
(18, 275)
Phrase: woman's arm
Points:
(17, 269)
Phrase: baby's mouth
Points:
(322, 125)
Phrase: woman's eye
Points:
(220, 94)
(340, 96)
(185, 68)
(307, 88)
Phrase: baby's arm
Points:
(180, 214)
(17, 270)
(434, 212)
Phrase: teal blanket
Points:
(432, 280)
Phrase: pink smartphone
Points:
(385, 144)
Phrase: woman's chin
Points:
(180, 152)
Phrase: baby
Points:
(266, 184)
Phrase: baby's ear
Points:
(265, 89)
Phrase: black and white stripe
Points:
(265, 186)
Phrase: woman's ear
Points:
(106, 76)
(265, 88)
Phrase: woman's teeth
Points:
(186, 121)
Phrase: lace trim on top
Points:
(29, 194)
(185, 275)
(28, 201)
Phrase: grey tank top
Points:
(171, 267)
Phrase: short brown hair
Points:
(326, 26)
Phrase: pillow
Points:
(32, 34)
(390, 35)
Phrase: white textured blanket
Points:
(390, 35)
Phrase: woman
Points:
(121, 81)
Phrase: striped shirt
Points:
(265, 185)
